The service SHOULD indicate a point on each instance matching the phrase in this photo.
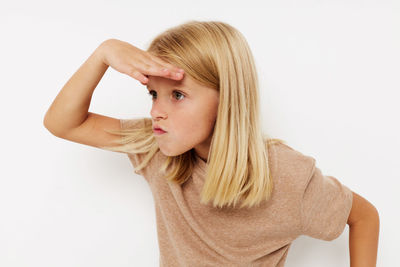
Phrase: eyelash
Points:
(150, 93)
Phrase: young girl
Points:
(225, 194)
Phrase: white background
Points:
(329, 79)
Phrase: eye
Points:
(176, 93)
(179, 93)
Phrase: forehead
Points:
(185, 83)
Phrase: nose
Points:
(158, 110)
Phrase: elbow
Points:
(45, 122)
(46, 125)
(51, 129)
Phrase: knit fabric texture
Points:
(304, 202)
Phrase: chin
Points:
(171, 153)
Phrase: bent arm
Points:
(70, 108)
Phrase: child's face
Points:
(187, 112)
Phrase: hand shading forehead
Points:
(178, 84)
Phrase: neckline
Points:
(202, 165)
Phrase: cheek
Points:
(206, 126)
(211, 117)
(193, 125)
(194, 130)
(189, 130)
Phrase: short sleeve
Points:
(326, 206)
(134, 123)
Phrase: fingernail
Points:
(178, 74)
(181, 70)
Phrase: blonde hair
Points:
(216, 55)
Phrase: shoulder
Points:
(289, 165)
(289, 158)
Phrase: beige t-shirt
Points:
(304, 202)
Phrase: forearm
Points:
(70, 108)
(363, 242)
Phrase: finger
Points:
(165, 64)
(171, 71)
(176, 76)
(138, 76)
(161, 71)
(145, 83)
(155, 70)
(172, 75)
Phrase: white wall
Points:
(329, 74)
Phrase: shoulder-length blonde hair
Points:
(216, 55)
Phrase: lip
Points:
(157, 127)
(158, 131)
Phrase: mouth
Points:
(158, 131)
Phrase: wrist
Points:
(99, 53)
